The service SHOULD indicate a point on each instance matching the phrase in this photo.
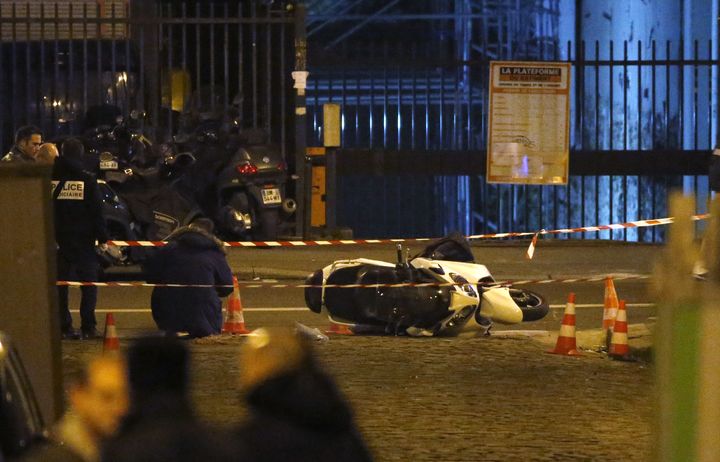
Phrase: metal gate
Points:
(59, 59)
(644, 118)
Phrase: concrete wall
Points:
(28, 306)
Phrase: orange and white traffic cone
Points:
(339, 329)
(610, 310)
(619, 348)
(111, 341)
(566, 338)
(234, 320)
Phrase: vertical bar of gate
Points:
(581, 61)
(696, 56)
(56, 67)
(710, 92)
(268, 70)
(653, 144)
(28, 68)
(385, 96)
(170, 90)
(211, 27)
(85, 58)
(254, 33)
(398, 118)
(241, 67)
(371, 119)
(114, 64)
(198, 66)
(13, 66)
(2, 84)
(681, 85)
(69, 100)
(427, 108)
(41, 69)
(666, 113)
(625, 87)
(413, 93)
(283, 94)
(226, 56)
(128, 62)
(640, 232)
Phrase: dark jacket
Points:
(78, 206)
(300, 416)
(190, 257)
(165, 429)
(16, 155)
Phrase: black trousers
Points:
(77, 261)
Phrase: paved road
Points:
(498, 398)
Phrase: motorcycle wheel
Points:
(268, 221)
(533, 305)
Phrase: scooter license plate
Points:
(108, 165)
(271, 196)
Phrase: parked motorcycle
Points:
(241, 176)
(251, 191)
(446, 292)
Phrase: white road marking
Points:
(601, 305)
(147, 310)
(298, 308)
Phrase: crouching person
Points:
(193, 256)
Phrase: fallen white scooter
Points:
(438, 292)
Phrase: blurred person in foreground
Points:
(161, 425)
(47, 154)
(700, 269)
(193, 256)
(79, 222)
(296, 411)
(98, 400)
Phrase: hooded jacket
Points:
(192, 257)
(300, 415)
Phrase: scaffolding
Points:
(480, 29)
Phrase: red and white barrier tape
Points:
(255, 285)
(585, 229)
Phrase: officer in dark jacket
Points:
(79, 222)
(27, 143)
(193, 256)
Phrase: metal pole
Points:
(300, 123)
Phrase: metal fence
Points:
(59, 59)
(654, 101)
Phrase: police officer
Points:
(27, 143)
(78, 224)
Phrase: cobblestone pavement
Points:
(460, 399)
(500, 398)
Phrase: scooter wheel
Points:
(532, 305)
(313, 295)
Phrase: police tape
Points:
(313, 243)
(273, 285)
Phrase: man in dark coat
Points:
(79, 222)
(193, 256)
(296, 411)
(27, 143)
